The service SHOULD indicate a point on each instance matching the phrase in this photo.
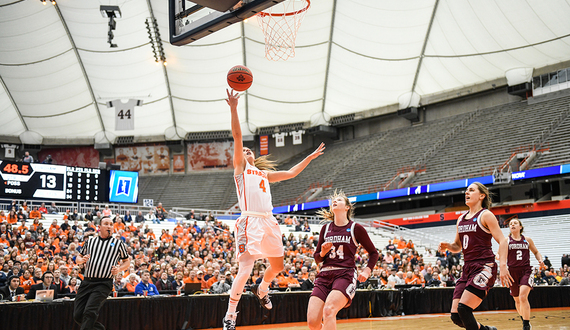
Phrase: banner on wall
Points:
(211, 155)
(145, 160)
(178, 163)
(279, 139)
(74, 156)
(264, 145)
(124, 113)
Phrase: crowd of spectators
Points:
(197, 250)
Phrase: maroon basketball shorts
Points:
(343, 280)
(477, 275)
(521, 276)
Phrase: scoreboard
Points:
(53, 182)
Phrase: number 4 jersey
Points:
(475, 239)
(253, 190)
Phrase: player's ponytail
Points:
(265, 164)
(328, 215)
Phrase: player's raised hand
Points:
(232, 99)
(319, 151)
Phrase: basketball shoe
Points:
(264, 301)
(527, 327)
(229, 322)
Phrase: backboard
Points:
(192, 20)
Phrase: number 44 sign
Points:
(124, 113)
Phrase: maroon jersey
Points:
(519, 255)
(475, 239)
(345, 241)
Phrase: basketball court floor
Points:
(545, 318)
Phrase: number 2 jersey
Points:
(519, 255)
(253, 190)
(475, 239)
(345, 241)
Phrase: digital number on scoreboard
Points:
(46, 181)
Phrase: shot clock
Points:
(53, 182)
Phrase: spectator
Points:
(43, 209)
(128, 217)
(152, 217)
(565, 261)
(139, 218)
(27, 158)
(145, 285)
(107, 211)
(13, 289)
(309, 284)
(178, 283)
(132, 283)
(48, 160)
(163, 284)
(64, 274)
(52, 209)
(220, 286)
(549, 278)
(547, 263)
(160, 212)
(45, 284)
(73, 285)
(565, 280)
(60, 286)
(35, 213)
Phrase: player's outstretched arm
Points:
(239, 159)
(295, 170)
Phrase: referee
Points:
(101, 255)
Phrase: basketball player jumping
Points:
(257, 232)
(336, 283)
(515, 249)
(474, 232)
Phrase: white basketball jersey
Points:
(253, 190)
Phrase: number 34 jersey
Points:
(253, 190)
(475, 239)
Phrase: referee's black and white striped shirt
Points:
(105, 253)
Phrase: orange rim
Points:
(263, 14)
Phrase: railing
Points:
(419, 238)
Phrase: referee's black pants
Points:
(91, 296)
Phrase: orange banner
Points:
(209, 156)
(263, 145)
(145, 160)
(178, 164)
(76, 156)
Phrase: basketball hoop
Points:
(280, 24)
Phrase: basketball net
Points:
(280, 24)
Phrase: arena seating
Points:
(540, 229)
(487, 138)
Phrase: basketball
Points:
(240, 78)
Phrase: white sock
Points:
(264, 288)
(232, 306)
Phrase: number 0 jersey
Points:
(253, 190)
(475, 239)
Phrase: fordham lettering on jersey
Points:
(467, 228)
(518, 246)
(257, 172)
(338, 239)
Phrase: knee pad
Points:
(457, 320)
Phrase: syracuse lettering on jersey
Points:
(467, 228)
(254, 172)
(520, 246)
